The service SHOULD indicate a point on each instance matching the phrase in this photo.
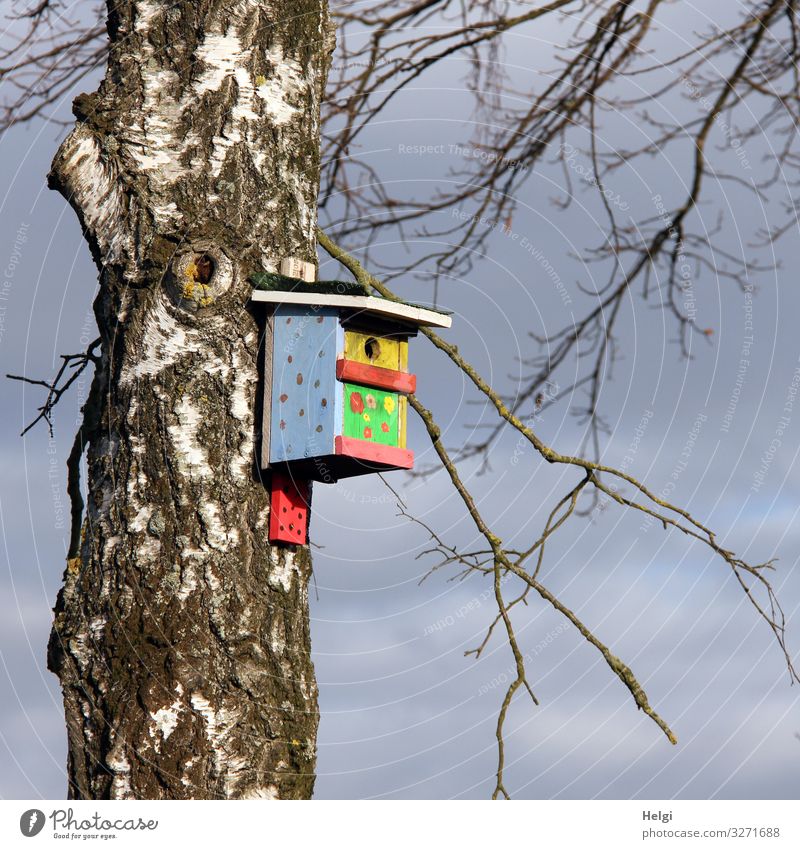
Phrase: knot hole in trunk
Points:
(198, 278)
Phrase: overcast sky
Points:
(404, 713)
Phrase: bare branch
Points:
(72, 367)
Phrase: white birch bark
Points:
(181, 638)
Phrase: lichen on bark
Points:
(181, 637)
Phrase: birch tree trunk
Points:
(181, 637)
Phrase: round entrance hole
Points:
(372, 348)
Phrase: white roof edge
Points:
(379, 306)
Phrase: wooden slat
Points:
(359, 304)
(266, 413)
(383, 378)
(402, 416)
(387, 455)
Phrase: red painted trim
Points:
(383, 378)
(288, 514)
(388, 455)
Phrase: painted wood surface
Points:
(289, 506)
(304, 387)
(315, 414)
(371, 414)
(419, 316)
(369, 375)
(388, 455)
(402, 421)
(373, 349)
(266, 408)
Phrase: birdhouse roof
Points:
(342, 294)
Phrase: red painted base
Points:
(386, 455)
(288, 516)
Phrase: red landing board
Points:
(288, 515)
(388, 455)
(384, 378)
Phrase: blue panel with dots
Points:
(304, 386)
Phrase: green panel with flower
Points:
(371, 414)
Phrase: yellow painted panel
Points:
(402, 410)
(376, 350)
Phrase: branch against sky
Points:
(502, 562)
(731, 83)
(47, 49)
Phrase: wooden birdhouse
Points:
(335, 384)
